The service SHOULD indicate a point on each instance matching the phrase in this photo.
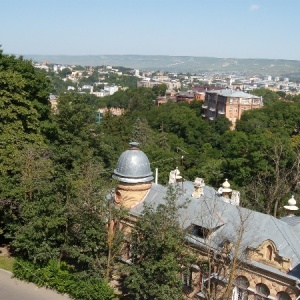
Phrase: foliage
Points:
(24, 117)
(269, 96)
(121, 80)
(140, 99)
(160, 89)
(280, 117)
(63, 279)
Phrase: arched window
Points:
(283, 296)
(269, 252)
(240, 290)
(187, 277)
(262, 292)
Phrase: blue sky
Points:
(214, 28)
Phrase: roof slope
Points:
(215, 213)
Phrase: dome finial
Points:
(134, 145)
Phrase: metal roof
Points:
(212, 211)
(234, 94)
(133, 166)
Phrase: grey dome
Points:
(133, 166)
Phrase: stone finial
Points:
(291, 206)
(226, 187)
(134, 145)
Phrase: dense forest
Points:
(55, 168)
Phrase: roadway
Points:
(14, 289)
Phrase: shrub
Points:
(60, 277)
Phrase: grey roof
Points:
(234, 93)
(291, 220)
(212, 211)
(133, 166)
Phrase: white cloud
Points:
(254, 7)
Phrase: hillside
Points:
(183, 64)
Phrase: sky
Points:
(212, 28)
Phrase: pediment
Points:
(268, 254)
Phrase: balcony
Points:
(221, 112)
(212, 109)
(204, 106)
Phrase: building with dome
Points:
(255, 254)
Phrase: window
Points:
(201, 232)
(187, 277)
(269, 252)
(127, 249)
(240, 290)
(187, 280)
(239, 294)
(262, 292)
(283, 296)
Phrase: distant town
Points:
(231, 88)
(175, 82)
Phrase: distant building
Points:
(229, 103)
(148, 83)
(111, 89)
(188, 96)
(115, 111)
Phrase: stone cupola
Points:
(134, 175)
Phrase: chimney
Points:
(198, 188)
(174, 176)
(156, 175)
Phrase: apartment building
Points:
(230, 103)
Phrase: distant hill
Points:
(191, 64)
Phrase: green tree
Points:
(157, 249)
(269, 96)
(160, 89)
(37, 236)
(142, 132)
(24, 118)
(64, 72)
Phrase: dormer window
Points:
(201, 232)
